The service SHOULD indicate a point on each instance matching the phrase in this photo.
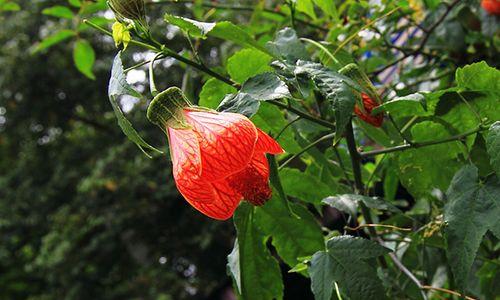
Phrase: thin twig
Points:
(415, 145)
(376, 225)
(428, 287)
(325, 137)
(302, 114)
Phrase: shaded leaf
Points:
(410, 105)
(472, 209)
(493, 146)
(287, 46)
(241, 103)
(299, 185)
(213, 91)
(266, 86)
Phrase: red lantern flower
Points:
(365, 113)
(491, 6)
(218, 158)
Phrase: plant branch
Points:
(428, 287)
(302, 114)
(414, 145)
(237, 8)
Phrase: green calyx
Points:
(355, 73)
(130, 9)
(166, 109)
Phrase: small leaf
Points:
(356, 247)
(53, 39)
(213, 91)
(118, 86)
(493, 146)
(84, 57)
(224, 30)
(472, 209)
(75, 3)
(322, 275)
(348, 203)
(59, 11)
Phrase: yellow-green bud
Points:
(166, 109)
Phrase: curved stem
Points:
(302, 114)
(328, 136)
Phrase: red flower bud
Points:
(218, 158)
(368, 106)
(491, 6)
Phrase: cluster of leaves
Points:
(429, 175)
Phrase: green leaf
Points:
(298, 185)
(271, 120)
(307, 7)
(293, 237)
(287, 46)
(53, 39)
(357, 247)
(247, 63)
(118, 86)
(328, 6)
(493, 146)
(322, 275)
(241, 103)
(336, 88)
(84, 57)
(59, 11)
(213, 91)
(424, 169)
(224, 30)
(343, 262)
(472, 209)
(266, 86)
(478, 77)
(275, 181)
(410, 105)
(75, 3)
(256, 272)
(348, 203)
(9, 6)
(262, 87)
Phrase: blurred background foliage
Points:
(84, 214)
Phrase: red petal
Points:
(216, 200)
(267, 144)
(226, 140)
(224, 200)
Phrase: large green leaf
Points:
(213, 91)
(473, 208)
(84, 57)
(343, 262)
(493, 146)
(118, 86)
(241, 103)
(292, 236)
(304, 186)
(59, 11)
(423, 169)
(478, 77)
(328, 6)
(247, 63)
(224, 30)
(254, 270)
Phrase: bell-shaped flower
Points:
(365, 112)
(219, 158)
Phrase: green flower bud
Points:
(129, 9)
(166, 109)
